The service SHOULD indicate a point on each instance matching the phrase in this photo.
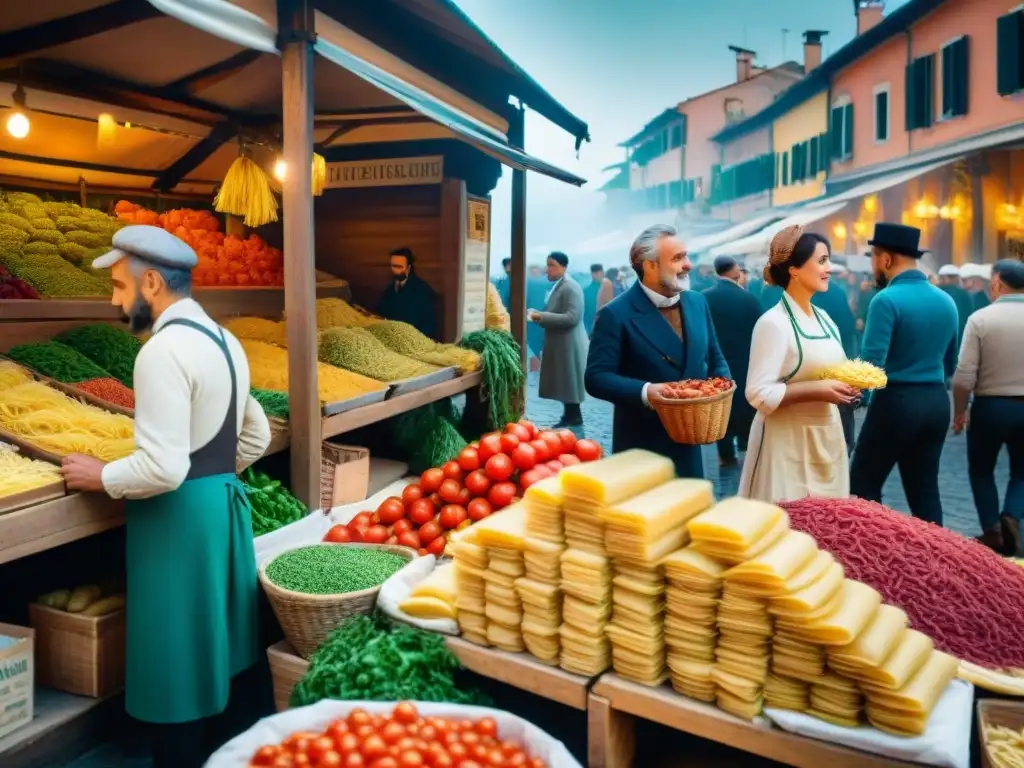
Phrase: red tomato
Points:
(463, 497)
(452, 470)
(410, 759)
(429, 531)
(375, 534)
(528, 478)
(538, 762)
(300, 741)
(551, 437)
(421, 511)
(517, 759)
(422, 552)
(391, 539)
(402, 526)
(410, 493)
(451, 516)
(530, 426)
(373, 747)
(362, 520)
(338, 534)
(542, 449)
(523, 433)
(330, 759)
(391, 510)
(477, 482)
(457, 750)
(524, 457)
(488, 727)
(336, 730)
(354, 760)
(469, 459)
(320, 746)
(449, 491)
(554, 465)
(392, 732)
(405, 712)
(356, 534)
(387, 761)
(431, 480)
(490, 445)
(501, 495)
(265, 755)
(588, 450)
(409, 539)
(499, 467)
(478, 509)
(568, 459)
(509, 443)
(440, 759)
(437, 501)
(436, 547)
(568, 439)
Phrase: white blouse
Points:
(774, 353)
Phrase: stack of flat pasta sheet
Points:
(540, 589)
(502, 536)
(544, 517)
(586, 608)
(694, 586)
(435, 597)
(470, 601)
(639, 533)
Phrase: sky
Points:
(618, 67)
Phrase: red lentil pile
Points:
(968, 599)
(111, 390)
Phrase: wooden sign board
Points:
(476, 255)
(394, 172)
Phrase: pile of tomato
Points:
(487, 475)
(402, 740)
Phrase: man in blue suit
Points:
(654, 333)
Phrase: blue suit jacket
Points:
(631, 345)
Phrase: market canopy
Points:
(758, 242)
(182, 79)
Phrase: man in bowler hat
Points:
(911, 332)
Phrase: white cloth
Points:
(658, 300)
(316, 717)
(182, 394)
(946, 743)
(399, 586)
(794, 450)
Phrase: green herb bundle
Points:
(273, 506)
(273, 403)
(370, 659)
(504, 376)
(58, 361)
(113, 349)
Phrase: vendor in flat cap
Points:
(734, 312)
(911, 332)
(192, 593)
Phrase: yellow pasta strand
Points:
(268, 369)
(49, 419)
(12, 374)
(19, 473)
(259, 329)
(337, 313)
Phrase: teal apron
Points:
(192, 591)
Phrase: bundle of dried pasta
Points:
(857, 373)
(19, 473)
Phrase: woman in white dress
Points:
(796, 447)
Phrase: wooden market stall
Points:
(410, 104)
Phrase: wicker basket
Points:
(307, 620)
(77, 654)
(994, 712)
(698, 421)
(344, 474)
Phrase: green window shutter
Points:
(948, 94)
(962, 74)
(1009, 78)
(927, 71)
(837, 133)
(848, 130)
(881, 115)
(785, 169)
(813, 170)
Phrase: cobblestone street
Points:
(957, 503)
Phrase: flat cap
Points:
(969, 270)
(949, 270)
(152, 244)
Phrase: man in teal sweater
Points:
(911, 332)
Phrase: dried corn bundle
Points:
(495, 314)
(407, 340)
(268, 369)
(358, 350)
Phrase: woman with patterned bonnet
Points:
(796, 445)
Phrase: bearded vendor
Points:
(192, 591)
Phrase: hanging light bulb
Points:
(106, 130)
(17, 123)
(280, 169)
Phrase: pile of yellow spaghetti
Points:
(337, 313)
(50, 420)
(1004, 746)
(268, 369)
(19, 474)
(12, 374)
(857, 373)
(259, 329)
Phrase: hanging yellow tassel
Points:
(106, 130)
(319, 174)
(246, 192)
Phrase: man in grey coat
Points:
(564, 359)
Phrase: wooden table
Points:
(52, 523)
(615, 704)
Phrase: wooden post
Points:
(453, 256)
(295, 21)
(517, 287)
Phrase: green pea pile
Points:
(58, 361)
(332, 569)
(367, 658)
(113, 349)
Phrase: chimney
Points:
(744, 63)
(812, 48)
(869, 13)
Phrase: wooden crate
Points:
(286, 669)
(995, 712)
(79, 654)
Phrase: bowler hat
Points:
(897, 238)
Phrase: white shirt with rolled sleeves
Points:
(182, 394)
(660, 302)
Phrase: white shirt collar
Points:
(659, 301)
(182, 308)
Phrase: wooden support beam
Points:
(517, 286)
(210, 76)
(60, 163)
(194, 157)
(21, 43)
(295, 19)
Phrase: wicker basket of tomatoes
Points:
(695, 411)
